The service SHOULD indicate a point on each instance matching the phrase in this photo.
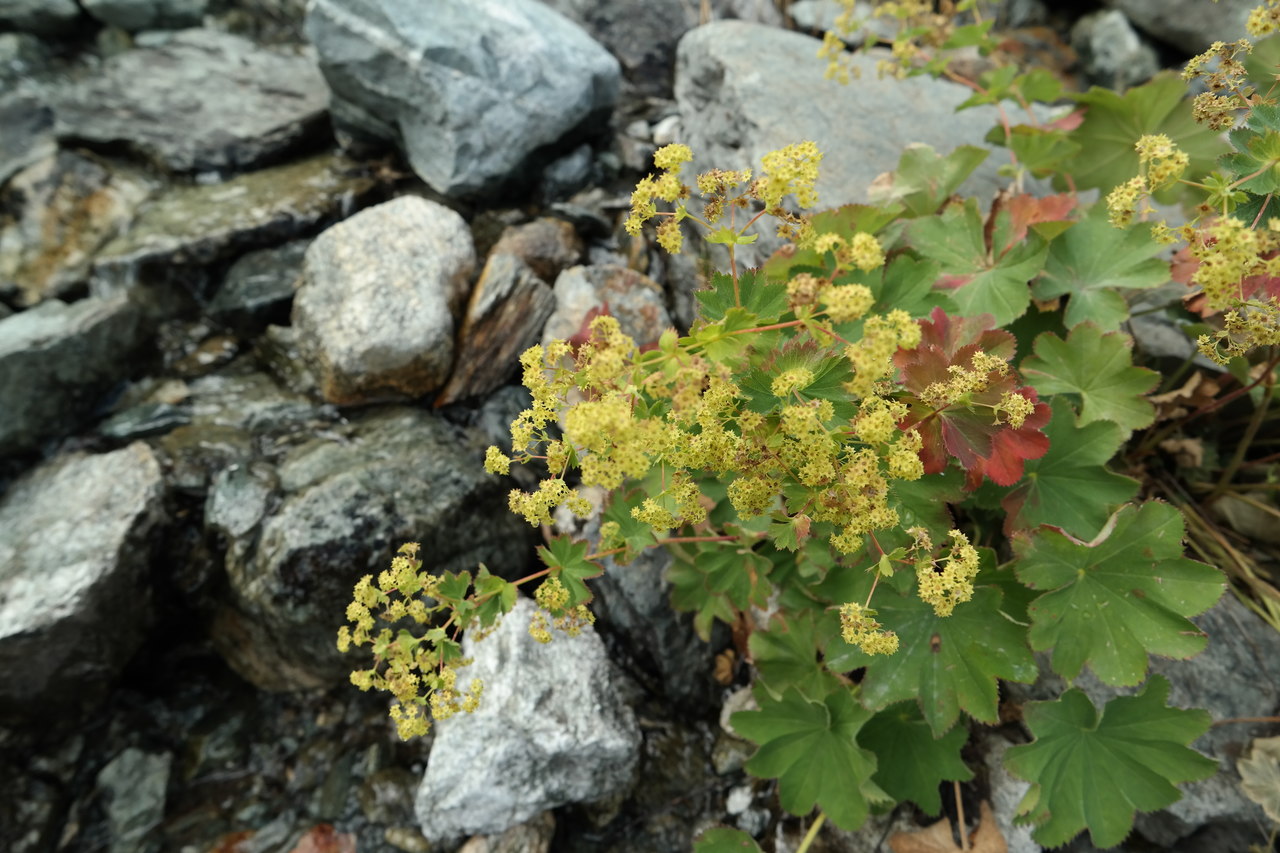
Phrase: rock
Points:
(68, 206)
(336, 508)
(378, 299)
(21, 56)
(565, 176)
(1188, 24)
(505, 316)
(426, 77)
(547, 245)
(74, 595)
(204, 223)
(132, 787)
(26, 133)
(1238, 642)
(258, 288)
(1113, 55)
(42, 17)
(818, 16)
(641, 34)
(551, 729)
(134, 15)
(202, 101)
(737, 85)
(631, 297)
(72, 354)
(533, 836)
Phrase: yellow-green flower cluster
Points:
(983, 368)
(951, 583)
(1225, 81)
(788, 381)
(1264, 20)
(858, 627)
(846, 302)
(790, 171)
(1228, 251)
(570, 622)
(1164, 162)
(872, 356)
(1122, 201)
(1254, 324)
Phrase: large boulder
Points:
(471, 89)
(74, 596)
(378, 300)
(641, 34)
(42, 17)
(552, 728)
(1189, 24)
(134, 15)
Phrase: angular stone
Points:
(1111, 53)
(200, 224)
(259, 288)
(378, 298)
(68, 206)
(438, 78)
(337, 508)
(134, 15)
(42, 17)
(58, 360)
(626, 294)
(641, 34)
(551, 729)
(547, 245)
(508, 308)
(1188, 24)
(202, 101)
(74, 600)
(26, 133)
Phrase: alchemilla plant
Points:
(884, 456)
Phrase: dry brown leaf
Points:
(1260, 775)
(1187, 452)
(936, 838)
(1199, 390)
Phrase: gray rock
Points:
(134, 15)
(737, 85)
(203, 101)
(42, 17)
(631, 297)
(641, 34)
(470, 113)
(818, 16)
(1188, 24)
(337, 508)
(74, 599)
(547, 245)
(21, 55)
(26, 133)
(1239, 642)
(132, 786)
(505, 316)
(204, 223)
(1111, 53)
(67, 206)
(551, 729)
(259, 288)
(379, 296)
(565, 176)
(58, 360)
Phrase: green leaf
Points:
(1257, 151)
(1116, 599)
(810, 748)
(636, 535)
(830, 373)
(568, 561)
(1041, 150)
(946, 664)
(499, 596)
(724, 840)
(786, 654)
(1094, 771)
(1098, 369)
(762, 298)
(911, 763)
(1113, 123)
(924, 180)
(1070, 486)
(979, 284)
(691, 594)
(1092, 261)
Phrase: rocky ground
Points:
(264, 272)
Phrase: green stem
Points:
(809, 836)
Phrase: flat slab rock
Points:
(204, 101)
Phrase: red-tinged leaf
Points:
(323, 838)
(1027, 210)
(1068, 122)
(968, 430)
(583, 334)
